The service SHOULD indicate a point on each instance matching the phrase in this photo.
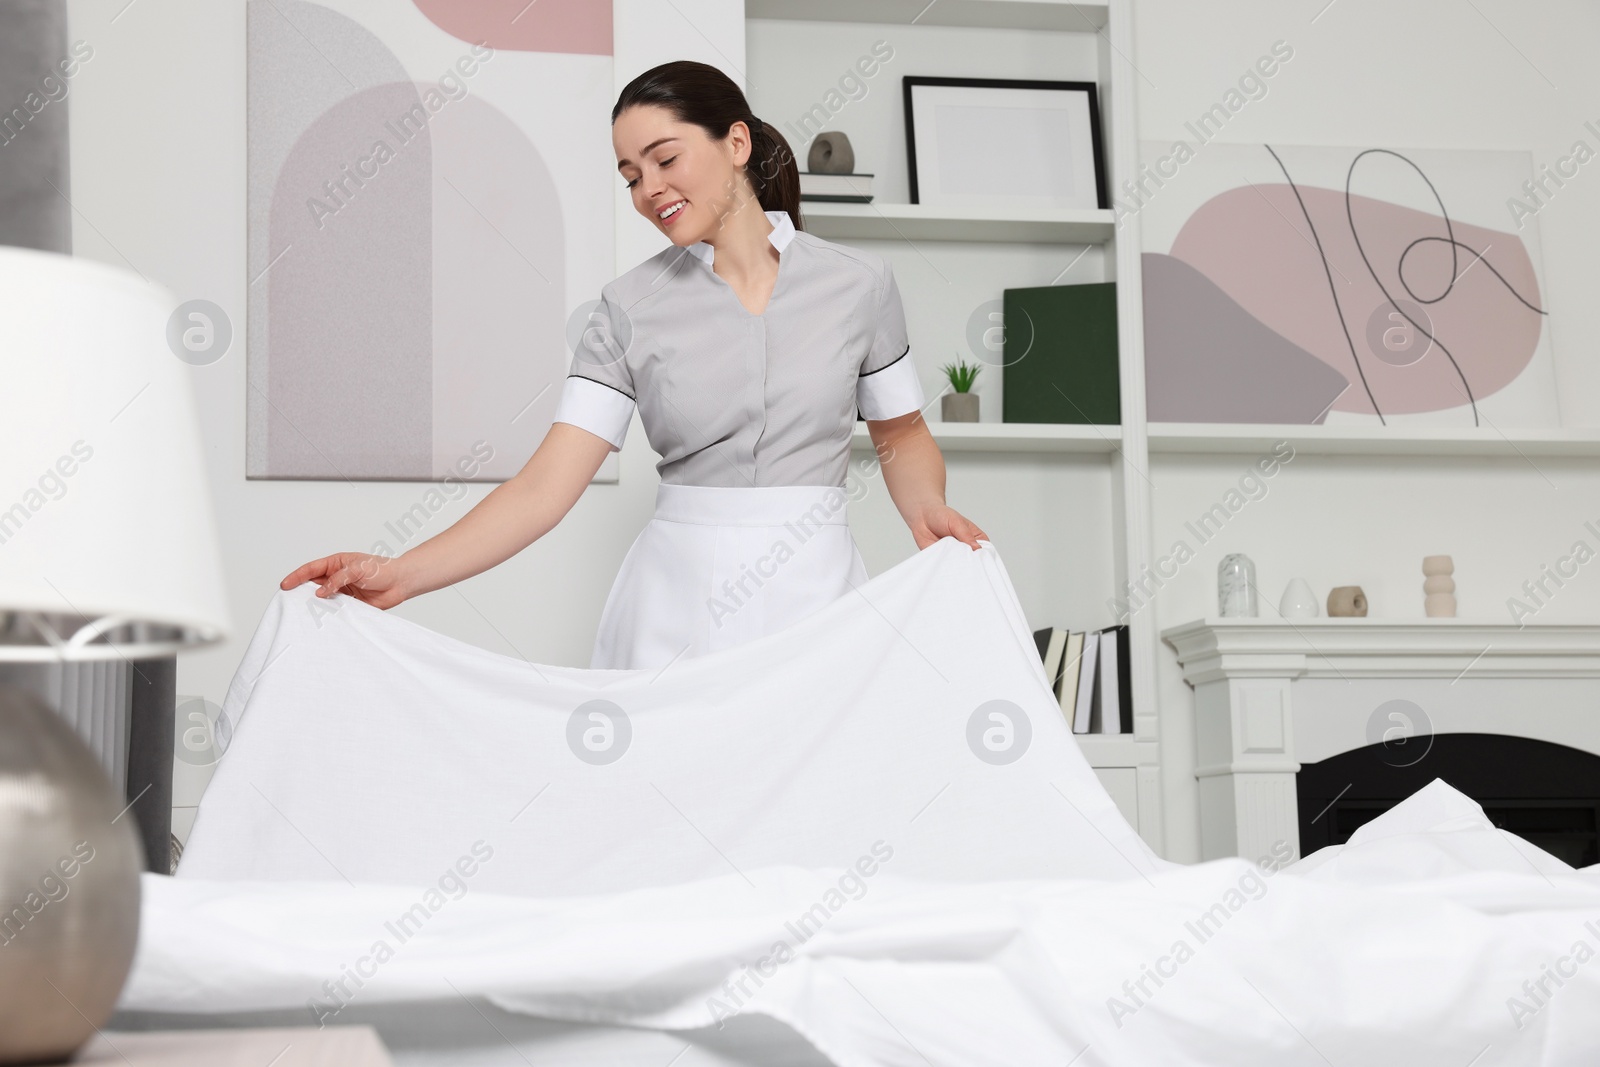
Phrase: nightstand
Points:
(309, 1046)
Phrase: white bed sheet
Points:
(473, 1032)
(1016, 918)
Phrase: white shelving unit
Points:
(1213, 439)
(1012, 437)
(1220, 439)
(888, 222)
(995, 14)
(1085, 42)
(1128, 765)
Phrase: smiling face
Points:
(667, 162)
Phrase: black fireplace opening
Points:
(1545, 793)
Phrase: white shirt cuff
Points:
(894, 390)
(600, 409)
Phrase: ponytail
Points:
(773, 170)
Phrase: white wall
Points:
(158, 154)
(158, 181)
(1420, 74)
(1492, 74)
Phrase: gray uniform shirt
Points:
(728, 398)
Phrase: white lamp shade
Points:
(104, 509)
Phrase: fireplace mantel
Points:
(1213, 648)
(1243, 671)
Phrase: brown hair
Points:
(701, 94)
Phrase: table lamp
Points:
(108, 553)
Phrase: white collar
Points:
(782, 233)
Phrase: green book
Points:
(1060, 355)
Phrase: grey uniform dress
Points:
(752, 417)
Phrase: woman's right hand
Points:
(376, 580)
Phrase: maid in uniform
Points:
(747, 347)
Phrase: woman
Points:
(747, 347)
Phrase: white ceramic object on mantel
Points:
(1299, 602)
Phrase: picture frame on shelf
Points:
(1019, 144)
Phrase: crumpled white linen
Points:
(725, 862)
(913, 710)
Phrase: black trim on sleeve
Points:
(887, 365)
(597, 381)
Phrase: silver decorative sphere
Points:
(69, 885)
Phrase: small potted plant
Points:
(961, 403)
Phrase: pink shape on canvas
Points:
(1254, 244)
(576, 26)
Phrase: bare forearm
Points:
(499, 526)
(514, 515)
(913, 469)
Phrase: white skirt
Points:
(717, 566)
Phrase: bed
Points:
(867, 839)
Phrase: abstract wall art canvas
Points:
(1342, 286)
(430, 204)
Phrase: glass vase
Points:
(1236, 587)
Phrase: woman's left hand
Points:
(942, 520)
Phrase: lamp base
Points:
(124, 712)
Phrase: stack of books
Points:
(1088, 674)
(836, 188)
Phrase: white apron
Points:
(719, 565)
